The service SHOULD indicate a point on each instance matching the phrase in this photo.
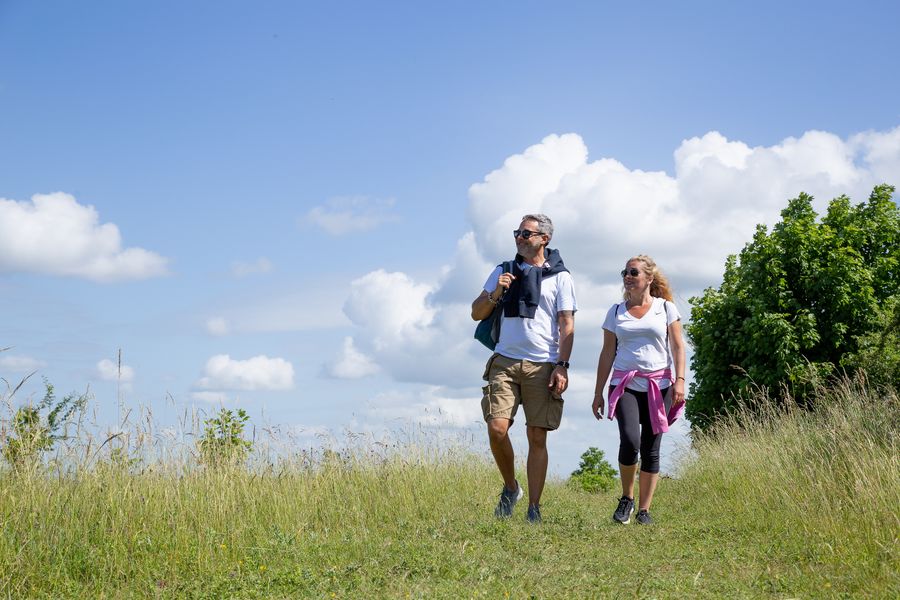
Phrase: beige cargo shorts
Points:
(512, 382)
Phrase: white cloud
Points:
(605, 212)
(20, 364)
(351, 214)
(108, 370)
(53, 234)
(406, 333)
(257, 373)
(260, 266)
(391, 305)
(430, 407)
(352, 364)
(217, 326)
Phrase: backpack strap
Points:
(668, 349)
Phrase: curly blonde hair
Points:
(659, 287)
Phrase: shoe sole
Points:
(615, 520)
(515, 501)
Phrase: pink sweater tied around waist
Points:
(658, 417)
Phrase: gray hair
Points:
(545, 225)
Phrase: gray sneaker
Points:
(508, 499)
(643, 518)
(624, 510)
(534, 514)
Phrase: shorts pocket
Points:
(555, 411)
(487, 368)
(486, 401)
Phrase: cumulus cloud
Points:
(54, 234)
(20, 364)
(431, 407)
(605, 212)
(352, 364)
(257, 373)
(217, 326)
(351, 214)
(108, 370)
(259, 266)
(405, 332)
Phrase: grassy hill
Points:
(788, 504)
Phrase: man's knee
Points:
(498, 428)
(537, 437)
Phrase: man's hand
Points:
(559, 380)
(505, 280)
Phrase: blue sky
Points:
(325, 185)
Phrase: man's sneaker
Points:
(508, 499)
(534, 514)
(624, 510)
(643, 517)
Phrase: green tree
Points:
(36, 428)
(802, 302)
(223, 438)
(594, 474)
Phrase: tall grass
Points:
(778, 502)
(822, 485)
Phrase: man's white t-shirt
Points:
(642, 342)
(536, 339)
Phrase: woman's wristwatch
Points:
(562, 363)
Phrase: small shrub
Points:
(223, 441)
(594, 473)
(35, 429)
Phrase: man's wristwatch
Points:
(562, 363)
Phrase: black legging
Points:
(636, 431)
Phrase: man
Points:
(530, 365)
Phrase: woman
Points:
(641, 341)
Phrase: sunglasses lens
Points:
(633, 272)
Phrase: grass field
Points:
(786, 505)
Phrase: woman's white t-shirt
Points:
(642, 343)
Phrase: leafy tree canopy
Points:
(804, 301)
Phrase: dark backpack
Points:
(488, 330)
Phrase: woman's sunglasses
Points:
(632, 271)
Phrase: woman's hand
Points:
(597, 407)
(679, 391)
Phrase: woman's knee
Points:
(628, 455)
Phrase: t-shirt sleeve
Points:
(565, 293)
(491, 284)
(673, 313)
(609, 323)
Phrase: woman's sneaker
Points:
(643, 518)
(508, 499)
(624, 510)
(534, 514)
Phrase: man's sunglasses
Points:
(525, 234)
(632, 271)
